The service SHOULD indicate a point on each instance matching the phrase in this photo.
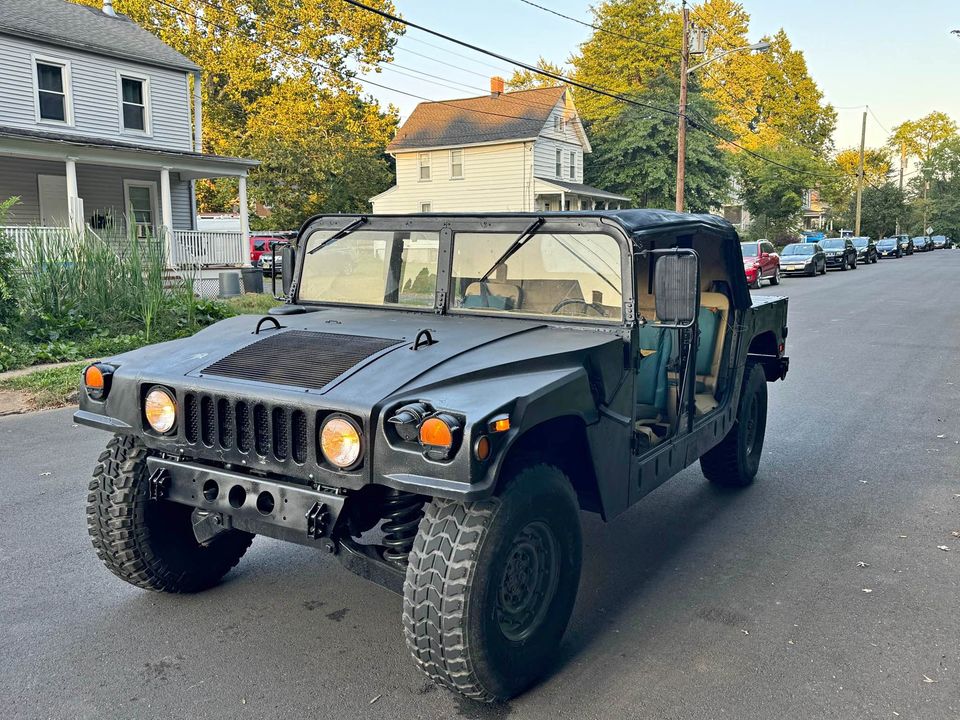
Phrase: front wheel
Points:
(151, 543)
(734, 461)
(490, 585)
(775, 280)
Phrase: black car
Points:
(940, 242)
(866, 249)
(922, 243)
(803, 259)
(840, 253)
(890, 247)
(471, 385)
(906, 244)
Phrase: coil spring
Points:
(402, 512)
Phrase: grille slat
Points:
(207, 420)
(299, 357)
(261, 437)
(243, 427)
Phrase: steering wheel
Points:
(598, 309)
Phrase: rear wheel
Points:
(490, 585)
(735, 460)
(775, 280)
(150, 543)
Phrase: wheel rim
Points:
(529, 581)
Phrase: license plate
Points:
(794, 267)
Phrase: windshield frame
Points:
(447, 226)
(812, 246)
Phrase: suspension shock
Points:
(402, 512)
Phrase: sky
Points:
(895, 56)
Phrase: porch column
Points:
(74, 211)
(166, 214)
(244, 213)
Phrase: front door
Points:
(54, 211)
(141, 201)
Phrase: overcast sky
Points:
(897, 56)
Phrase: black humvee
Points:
(435, 403)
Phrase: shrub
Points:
(8, 268)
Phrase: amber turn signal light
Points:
(436, 433)
(500, 424)
(96, 380)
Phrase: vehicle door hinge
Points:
(628, 309)
(441, 302)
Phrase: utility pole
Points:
(903, 162)
(682, 120)
(863, 140)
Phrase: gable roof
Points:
(517, 115)
(86, 28)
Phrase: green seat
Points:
(651, 379)
(709, 319)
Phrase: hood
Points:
(359, 357)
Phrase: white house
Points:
(100, 127)
(517, 151)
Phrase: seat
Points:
(491, 294)
(656, 346)
(709, 321)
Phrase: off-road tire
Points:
(150, 543)
(735, 460)
(454, 585)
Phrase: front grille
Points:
(299, 357)
(274, 433)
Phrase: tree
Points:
(774, 194)
(919, 137)
(881, 207)
(943, 171)
(279, 84)
(635, 153)
(840, 186)
(528, 80)
(639, 40)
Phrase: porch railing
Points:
(208, 247)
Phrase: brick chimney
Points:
(496, 86)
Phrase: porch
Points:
(553, 195)
(113, 189)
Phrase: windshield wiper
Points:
(341, 233)
(514, 246)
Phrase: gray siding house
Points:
(100, 127)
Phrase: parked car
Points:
(906, 244)
(866, 250)
(280, 239)
(259, 244)
(840, 253)
(760, 262)
(922, 243)
(890, 247)
(470, 412)
(939, 242)
(803, 259)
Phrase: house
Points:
(100, 127)
(516, 151)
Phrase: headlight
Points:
(160, 409)
(340, 441)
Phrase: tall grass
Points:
(78, 280)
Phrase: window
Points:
(559, 161)
(133, 104)
(425, 207)
(141, 205)
(372, 267)
(53, 91)
(424, 161)
(456, 164)
(573, 165)
(556, 123)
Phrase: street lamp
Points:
(684, 73)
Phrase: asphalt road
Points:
(697, 603)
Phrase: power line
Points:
(601, 29)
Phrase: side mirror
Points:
(288, 260)
(676, 285)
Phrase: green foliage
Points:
(881, 207)
(943, 170)
(635, 153)
(774, 194)
(50, 387)
(527, 80)
(8, 275)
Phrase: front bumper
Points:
(837, 261)
(796, 269)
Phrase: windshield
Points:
(835, 244)
(859, 242)
(372, 268)
(919, 240)
(571, 275)
(887, 242)
(748, 249)
(799, 249)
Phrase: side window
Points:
(423, 159)
(456, 164)
(559, 162)
(134, 105)
(53, 91)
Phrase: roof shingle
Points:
(511, 116)
(87, 28)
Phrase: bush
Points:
(8, 269)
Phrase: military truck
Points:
(435, 403)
